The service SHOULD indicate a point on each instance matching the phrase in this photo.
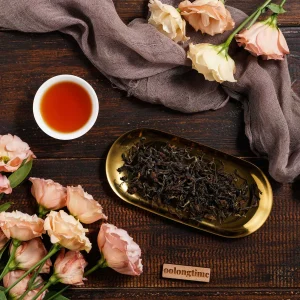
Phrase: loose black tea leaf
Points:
(188, 185)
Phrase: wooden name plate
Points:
(186, 272)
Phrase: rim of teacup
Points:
(37, 107)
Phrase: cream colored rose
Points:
(82, 205)
(20, 226)
(208, 16)
(67, 231)
(212, 61)
(167, 20)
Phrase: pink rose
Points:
(12, 153)
(31, 252)
(82, 205)
(3, 239)
(49, 194)
(208, 16)
(67, 231)
(69, 267)
(264, 39)
(19, 289)
(4, 185)
(20, 226)
(119, 250)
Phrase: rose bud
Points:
(264, 39)
(208, 16)
(48, 194)
(69, 267)
(167, 20)
(119, 250)
(31, 252)
(20, 288)
(82, 205)
(3, 239)
(212, 61)
(20, 226)
(67, 231)
(4, 185)
(13, 151)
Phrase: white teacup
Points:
(51, 131)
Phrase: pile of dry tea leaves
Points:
(192, 187)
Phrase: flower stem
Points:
(58, 293)
(42, 211)
(272, 20)
(31, 282)
(7, 268)
(257, 15)
(90, 271)
(52, 280)
(100, 264)
(254, 16)
(52, 251)
(282, 3)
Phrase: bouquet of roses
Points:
(64, 210)
(262, 38)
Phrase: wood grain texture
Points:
(27, 60)
(268, 258)
(264, 265)
(130, 9)
(176, 293)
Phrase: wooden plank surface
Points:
(33, 58)
(130, 9)
(269, 258)
(196, 294)
(264, 265)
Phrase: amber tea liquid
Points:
(66, 107)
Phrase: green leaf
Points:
(52, 295)
(277, 9)
(18, 176)
(5, 206)
(2, 288)
(2, 296)
(263, 10)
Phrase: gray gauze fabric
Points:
(139, 59)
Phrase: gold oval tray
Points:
(234, 227)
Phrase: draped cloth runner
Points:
(148, 65)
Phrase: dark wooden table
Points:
(264, 265)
